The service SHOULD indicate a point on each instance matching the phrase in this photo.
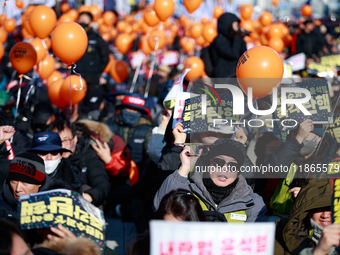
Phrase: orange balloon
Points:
(306, 10)
(317, 22)
(9, 25)
(119, 71)
(254, 35)
(263, 40)
(246, 11)
(200, 40)
(129, 18)
(46, 67)
(266, 18)
(65, 7)
(73, 90)
(192, 5)
(72, 35)
(135, 27)
(287, 40)
(19, 4)
(247, 39)
(143, 45)
(27, 26)
(47, 42)
(39, 48)
(42, 20)
(113, 33)
(109, 18)
(209, 33)
(3, 35)
(156, 40)
(257, 43)
(106, 37)
(189, 47)
(275, 30)
(123, 43)
(196, 30)
(2, 50)
(247, 25)
(53, 93)
(23, 57)
(150, 16)
(262, 71)
(109, 65)
(164, 8)
(128, 29)
(64, 18)
(96, 11)
(275, 2)
(84, 8)
(146, 29)
(277, 44)
(197, 67)
(121, 25)
(183, 41)
(29, 9)
(204, 20)
(73, 13)
(24, 34)
(56, 75)
(218, 11)
(284, 30)
(103, 29)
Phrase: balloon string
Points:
(147, 88)
(70, 67)
(136, 76)
(81, 80)
(28, 93)
(44, 44)
(18, 100)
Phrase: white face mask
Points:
(51, 165)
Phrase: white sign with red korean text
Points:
(175, 238)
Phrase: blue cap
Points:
(47, 141)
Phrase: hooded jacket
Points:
(8, 203)
(292, 233)
(227, 48)
(241, 198)
(93, 171)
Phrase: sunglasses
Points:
(218, 162)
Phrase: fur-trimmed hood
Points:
(99, 127)
(72, 246)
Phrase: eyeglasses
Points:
(218, 162)
(67, 141)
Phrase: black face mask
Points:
(84, 25)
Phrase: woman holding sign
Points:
(223, 193)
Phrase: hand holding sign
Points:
(330, 237)
(179, 134)
(305, 128)
(188, 159)
(240, 136)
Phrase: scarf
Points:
(317, 231)
(218, 193)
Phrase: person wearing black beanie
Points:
(215, 180)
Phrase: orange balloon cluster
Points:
(262, 71)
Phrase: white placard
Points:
(298, 62)
(175, 238)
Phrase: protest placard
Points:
(298, 61)
(179, 107)
(320, 70)
(211, 238)
(334, 128)
(217, 117)
(332, 60)
(168, 58)
(319, 106)
(61, 206)
(135, 58)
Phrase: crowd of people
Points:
(119, 149)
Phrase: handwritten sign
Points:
(211, 238)
(65, 207)
(298, 62)
(288, 72)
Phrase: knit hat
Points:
(27, 167)
(228, 147)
